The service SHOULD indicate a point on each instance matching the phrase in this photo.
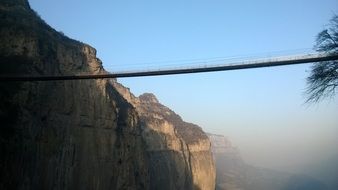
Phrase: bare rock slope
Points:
(85, 134)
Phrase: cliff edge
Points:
(180, 152)
(84, 134)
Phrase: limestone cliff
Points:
(169, 138)
(179, 151)
(84, 134)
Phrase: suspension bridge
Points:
(247, 64)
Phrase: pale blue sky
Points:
(261, 110)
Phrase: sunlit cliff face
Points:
(169, 139)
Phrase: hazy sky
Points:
(262, 111)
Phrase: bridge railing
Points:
(224, 63)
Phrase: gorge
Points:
(96, 134)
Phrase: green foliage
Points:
(323, 78)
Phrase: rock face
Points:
(85, 134)
(179, 152)
(232, 173)
(169, 138)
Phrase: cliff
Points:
(180, 152)
(169, 138)
(85, 134)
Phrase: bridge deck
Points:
(270, 62)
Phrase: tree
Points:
(323, 79)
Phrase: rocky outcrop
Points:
(169, 138)
(85, 134)
(178, 151)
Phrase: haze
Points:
(262, 111)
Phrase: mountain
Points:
(179, 151)
(300, 182)
(85, 134)
(232, 173)
(326, 170)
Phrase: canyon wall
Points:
(179, 151)
(85, 134)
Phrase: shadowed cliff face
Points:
(83, 134)
(64, 134)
